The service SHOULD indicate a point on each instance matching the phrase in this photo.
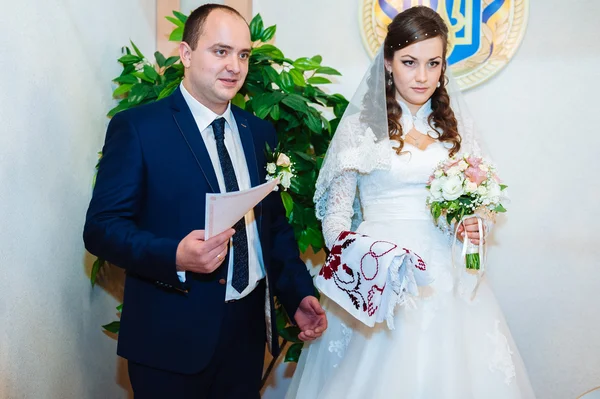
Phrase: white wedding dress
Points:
(444, 346)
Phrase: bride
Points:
(401, 122)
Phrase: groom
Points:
(193, 320)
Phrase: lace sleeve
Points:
(339, 207)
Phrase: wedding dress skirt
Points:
(444, 346)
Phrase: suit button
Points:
(222, 281)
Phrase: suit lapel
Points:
(189, 130)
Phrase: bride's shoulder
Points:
(353, 129)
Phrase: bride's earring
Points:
(390, 81)
(438, 85)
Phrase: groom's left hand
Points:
(311, 319)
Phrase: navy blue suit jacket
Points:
(149, 194)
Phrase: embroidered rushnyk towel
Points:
(369, 277)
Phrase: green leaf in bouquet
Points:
(113, 327)
(288, 203)
(120, 308)
(293, 352)
(503, 186)
(500, 209)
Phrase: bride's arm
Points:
(339, 211)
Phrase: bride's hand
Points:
(472, 228)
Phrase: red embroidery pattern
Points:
(346, 279)
(420, 263)
(376, 251)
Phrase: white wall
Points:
(538, 118)
(57, 61)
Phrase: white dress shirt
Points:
(204, 117)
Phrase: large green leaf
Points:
(180, 16)
(256, 28)
(113, 327)
(296, 102)
(268, 50)
(288, 203)
(160, 59)
(287, 83)
(297, 77)
(293, 352)
(328, 71)
(130, 79)
(318, 80)
(151, 73)
(137, 50)
(96, 268)
(130, 59)
(177, 34)
(305, 64)
(268, 34)
(121, 90)
(290, 334)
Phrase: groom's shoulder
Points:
(252, 119)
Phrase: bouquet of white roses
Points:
(279, 166)
(461, 187)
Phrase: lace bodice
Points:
(398, 193)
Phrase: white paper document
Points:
(223, 210)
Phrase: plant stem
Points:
(271, 365)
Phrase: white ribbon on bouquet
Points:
(469, 248)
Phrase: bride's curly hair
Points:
(423, 23)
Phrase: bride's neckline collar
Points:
(422, 113)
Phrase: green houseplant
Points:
(283, 91)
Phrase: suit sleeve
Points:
(110, 231)
(292, 280)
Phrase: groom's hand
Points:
(311, 319)
(199, 256)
